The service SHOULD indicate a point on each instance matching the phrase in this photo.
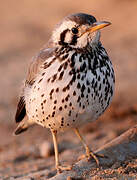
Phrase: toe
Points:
(63, 168)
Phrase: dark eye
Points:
(74, 30)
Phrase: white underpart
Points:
(92, 111)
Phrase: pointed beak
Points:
(97, 25)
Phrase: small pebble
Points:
(46, 149)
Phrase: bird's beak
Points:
(97, 25)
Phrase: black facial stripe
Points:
(74, 40)
(62, 37)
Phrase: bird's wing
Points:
(21, 111)
(33, 71)
(36, 63)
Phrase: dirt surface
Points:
(25, 28)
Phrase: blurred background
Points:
(25, 26)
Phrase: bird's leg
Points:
(89, 153)
(58, 166)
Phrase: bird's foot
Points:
(89, 155)
(63, 168)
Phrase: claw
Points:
(89, 155)
(92, 155)
(63, 168)
(101, 155)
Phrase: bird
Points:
(69, 83)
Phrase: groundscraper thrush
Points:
(70, 82)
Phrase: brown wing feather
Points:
(35, 65)
(21, 110)
(33, 71)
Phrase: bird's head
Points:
(78, 30)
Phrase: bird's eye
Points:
(74, 30)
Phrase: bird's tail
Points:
(23, 126)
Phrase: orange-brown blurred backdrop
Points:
(25, 27)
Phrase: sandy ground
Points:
(25, 28)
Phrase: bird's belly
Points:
(56, 106)
(62, 115)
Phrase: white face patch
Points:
(68, 37)
(91, 38)
(82, 41)
(64, 26)
(83, 38)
